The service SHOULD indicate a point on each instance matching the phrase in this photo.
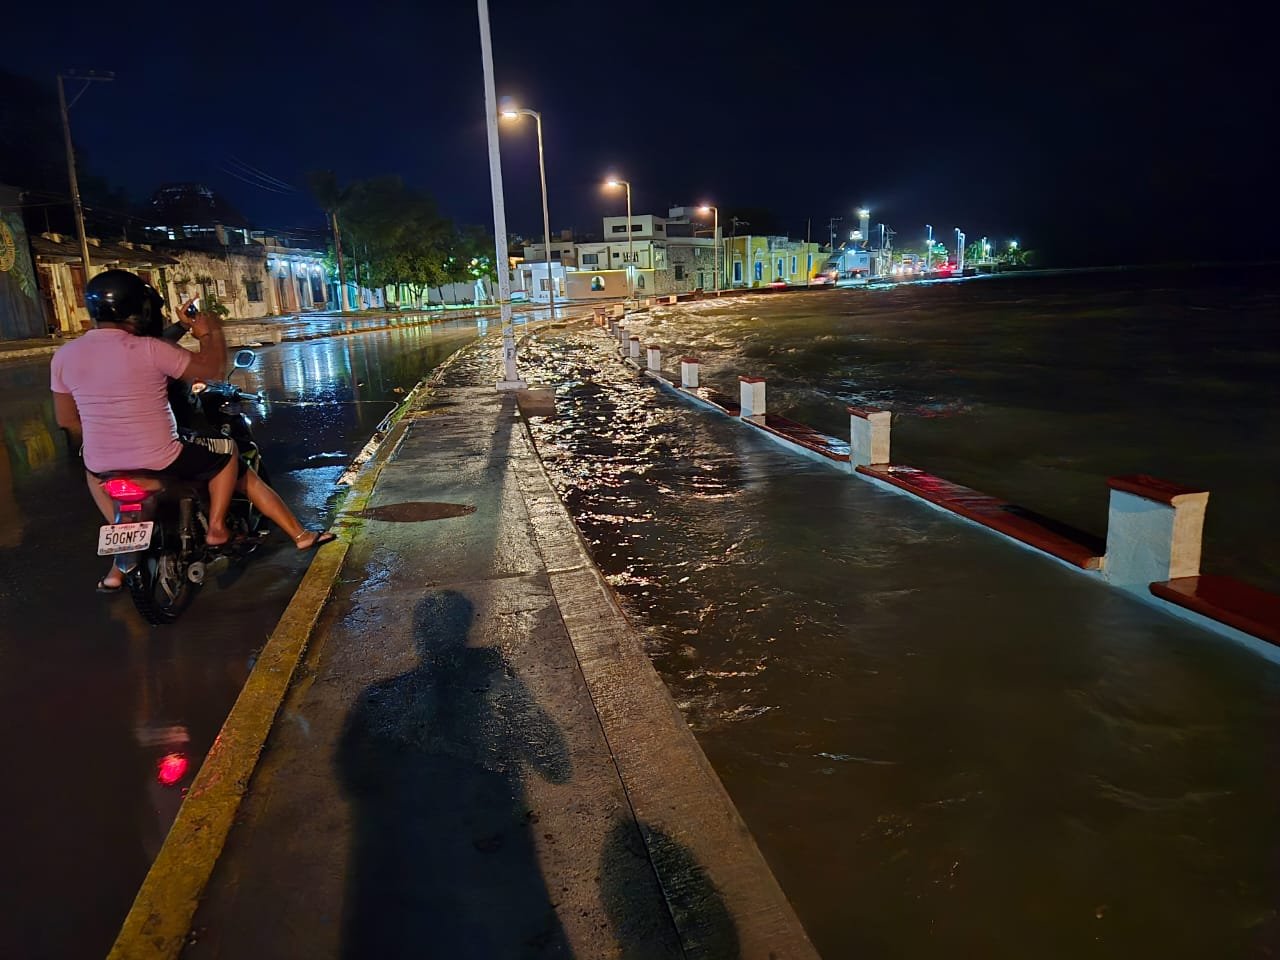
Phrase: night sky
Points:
(1121, 134)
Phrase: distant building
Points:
(252, 281)
(760, 261)
(192, 211)
(563, 250)
(60, 270)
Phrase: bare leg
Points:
(114, 577)
(274, 509)
(221, 488)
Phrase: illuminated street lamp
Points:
(511, 112)
(715, 243)
(631, 256)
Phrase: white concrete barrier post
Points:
(654, 358)
(689, 373)
(1153, 531)
(635, 349)
(752, 392)
(622, 334)
(868, 436)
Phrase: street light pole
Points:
(715, 245)
(511, 113)
(928, 249)
(631, 254)
(76, 204)
(510, 376)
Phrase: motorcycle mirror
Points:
(245, 359)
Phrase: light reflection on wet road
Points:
(92, 698)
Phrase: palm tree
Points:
(331, 197)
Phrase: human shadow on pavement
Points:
(627, 865)
(443, 861)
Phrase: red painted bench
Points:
(804, 436)
(1227, 600)
(717, 399)
(1066, 543)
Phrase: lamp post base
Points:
(511, 385)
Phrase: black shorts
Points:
(203, 459)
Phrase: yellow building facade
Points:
(759, 261)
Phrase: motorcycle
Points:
(158, 537)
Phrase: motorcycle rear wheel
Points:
(160, 588)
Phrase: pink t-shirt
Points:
(120, 383)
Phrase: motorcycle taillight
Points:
(124, 490)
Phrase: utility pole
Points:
(928, 249)
(832, 227)
(65, 109)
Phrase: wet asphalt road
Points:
(105, 719)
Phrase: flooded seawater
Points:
(944, 743)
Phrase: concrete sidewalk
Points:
(475, 758)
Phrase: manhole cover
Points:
(415, 511)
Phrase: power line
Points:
(254, 171)
(253, 183)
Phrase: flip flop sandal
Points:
(322, 537)
(238, 540)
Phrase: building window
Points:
(794, 261)
(737, 271)
(640, 281)
(808, 265)
(597, 283)
(253, 290)
(590, 259)
(659, 228)
(618, 228)
(543, 285)
(759, 270)
(679, 271)
(778, 276)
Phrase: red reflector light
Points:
(130, 508)
(172, 768)
(125, 490)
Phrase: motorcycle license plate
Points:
(124, 537)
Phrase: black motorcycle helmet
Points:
(118, 296)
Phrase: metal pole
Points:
(928, 250)
(715, 249)
(511, 377)
(75, 183)
(546, 218)
(631, 254)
